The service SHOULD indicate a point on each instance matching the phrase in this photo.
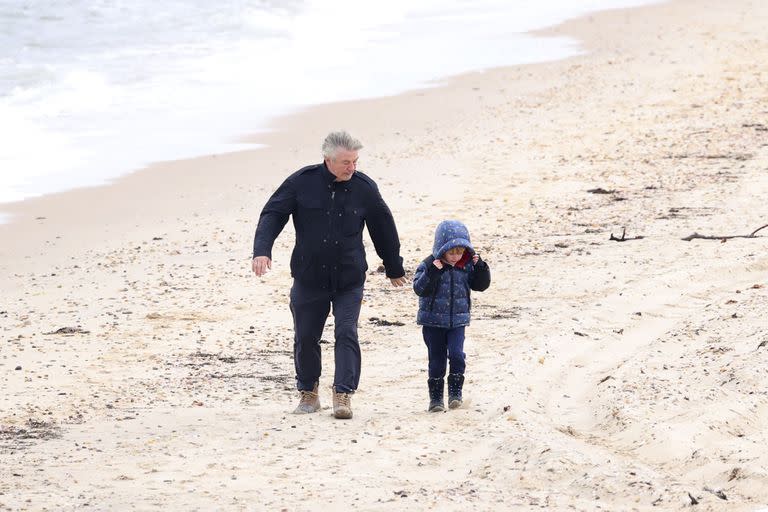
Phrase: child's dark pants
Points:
(443, 346)
(310, 308)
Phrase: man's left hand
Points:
(398, 281)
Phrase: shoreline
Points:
(601, 374)
(196, 145)
(11, 211)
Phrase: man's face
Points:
(343, 164)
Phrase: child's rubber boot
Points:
(455, 383)
(436, 387)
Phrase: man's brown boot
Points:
(342, 405)
(309, 401)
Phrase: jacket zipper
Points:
(332, 212)
(451, 310)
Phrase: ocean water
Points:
(93, 89)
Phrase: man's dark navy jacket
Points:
(329, 217)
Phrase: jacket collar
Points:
(328, 176)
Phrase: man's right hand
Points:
(260, 265)
(398, 281)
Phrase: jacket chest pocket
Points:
(353, 219)
(312, 212)
(311, 202)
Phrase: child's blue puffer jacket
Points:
(444, 294)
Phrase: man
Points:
(330, 203)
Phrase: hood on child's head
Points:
(450, 234)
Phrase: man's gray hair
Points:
(339, 140)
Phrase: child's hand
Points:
(438, 263)
(475, 258)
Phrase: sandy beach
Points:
(144, 367)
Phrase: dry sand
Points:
(602, 374)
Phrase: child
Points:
(443, 282)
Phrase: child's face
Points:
(452, 256)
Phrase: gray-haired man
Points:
(330, 203)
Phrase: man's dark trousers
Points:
(310, 308)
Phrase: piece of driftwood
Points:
(695, 236)
(68, 330)
(624, 237)
(605, 379)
